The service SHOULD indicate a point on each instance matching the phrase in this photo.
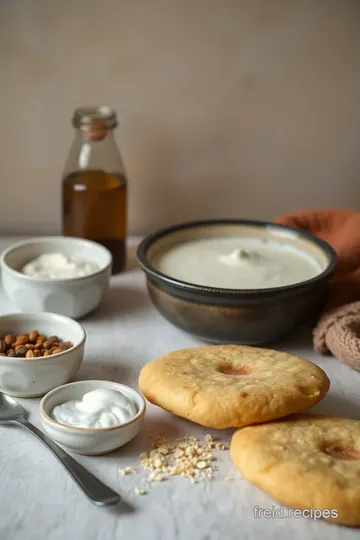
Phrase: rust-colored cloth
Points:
(338, 329)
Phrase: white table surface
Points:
(38, 501)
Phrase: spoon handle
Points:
(93, 488)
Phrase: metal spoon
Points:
(98, 493)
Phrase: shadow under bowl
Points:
(243, 316)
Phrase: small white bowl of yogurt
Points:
(92, 417)
(57, 274)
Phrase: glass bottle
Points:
(94, 185)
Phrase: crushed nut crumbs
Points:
(127, 470)
(139, 491)
(187, 456)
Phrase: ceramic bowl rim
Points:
(42, 239)
(50, 316)
(145, 244)
(47, 418)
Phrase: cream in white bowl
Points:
(237, 263)
(90, 441)
(70, 296)
(59, 266)
(97, 409)
(32, 377)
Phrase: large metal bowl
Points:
(236, 315)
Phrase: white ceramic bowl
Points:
(91, 442)
(31, 377)
(73, 297)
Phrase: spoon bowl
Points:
(12, 412)
(10, 409)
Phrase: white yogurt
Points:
(59, 266)
(237, 263)
(101, 408)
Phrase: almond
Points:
(9, 339)
(21, 340)
(33, 335)
(32, 345)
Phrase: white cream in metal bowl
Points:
(237, 263)
(236, 281)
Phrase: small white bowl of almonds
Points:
(38, 352)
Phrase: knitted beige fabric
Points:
(338, 332)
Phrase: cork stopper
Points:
(96, 121)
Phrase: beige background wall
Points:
(227, 107)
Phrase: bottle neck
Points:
(94, 152)
(95, 136)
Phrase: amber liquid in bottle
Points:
(94, 207)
